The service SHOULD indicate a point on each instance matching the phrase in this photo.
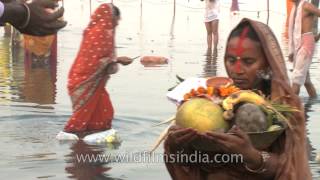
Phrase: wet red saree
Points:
(92, 108)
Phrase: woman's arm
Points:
(180, 138)
(237, 142)
(263, 163)
(33, 18)
(13, 13)
(124, 60)
(112, 68)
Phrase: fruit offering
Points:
(202, 115)
(221, 104)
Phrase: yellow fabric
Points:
(37, 45)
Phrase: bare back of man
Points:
(309, 15)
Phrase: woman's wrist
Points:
(112, 68)
(258, 167)
(14, 13)
(253, 160)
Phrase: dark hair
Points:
(115, 11)
(251, 34)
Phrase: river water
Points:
(34, 104)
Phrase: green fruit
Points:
(274, 128)
(202, 115)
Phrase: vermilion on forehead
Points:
(239, 50)
(247, 48)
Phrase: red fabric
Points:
(96, 114)
(92, 108)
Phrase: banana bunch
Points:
(251, 97)
(242, 96)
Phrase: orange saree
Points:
(92, 108)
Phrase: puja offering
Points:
(201, 114)
(216, 104)
(153, 60)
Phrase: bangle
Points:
(264, 156)
(26, 23)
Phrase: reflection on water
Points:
(309, 108)
(34, 104)
(40, 77)
(84, 170)
(210, 66)
(5, 72)
(26, 77)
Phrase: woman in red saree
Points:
(96, 60)
(254, 60)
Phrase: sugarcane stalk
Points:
(165, 121)
(162, 137)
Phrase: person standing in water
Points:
(302, 44)
(95, 62)
(234, 9)
(211, 20)
(234, 13)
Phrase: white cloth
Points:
(108, 136)
(176, 95)
(300, 45)
(303, 60)
(64, 136)
(212, 10)
(295, 24)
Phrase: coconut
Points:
(202, 115)
(250, 118)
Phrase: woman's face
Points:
(244, 60)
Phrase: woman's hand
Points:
(112, 68)
(181, 136)
(237, 142)
(124, 60)
(40, 22)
